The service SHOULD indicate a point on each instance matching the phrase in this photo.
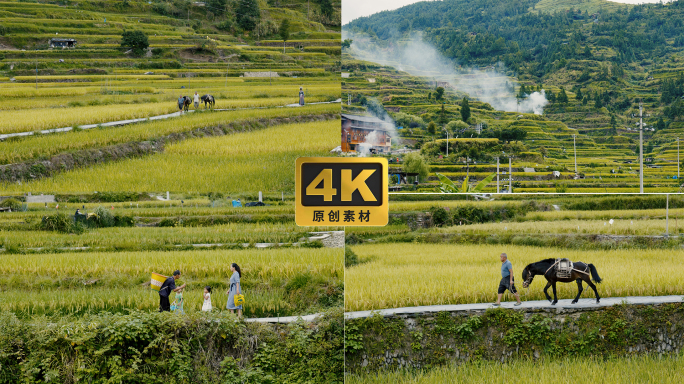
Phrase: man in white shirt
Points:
(196, 100)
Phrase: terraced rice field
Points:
(607, 162)
(407, 275)
(98, 82)
(244, 162)
(645, 369)
(115, 282)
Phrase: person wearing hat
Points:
(165, 290)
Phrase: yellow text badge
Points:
(332, 191)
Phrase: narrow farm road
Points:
(283, 320)
(537, 304)
(151, 118)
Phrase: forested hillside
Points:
(595, 60)
(618, 45)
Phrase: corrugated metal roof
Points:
(367, 119)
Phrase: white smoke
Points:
(419, 58)
(371, 140)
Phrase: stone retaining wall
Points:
(426, 340)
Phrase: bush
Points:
(103, 218)
(168, 222)
(350, 258)
(312, 244)
(163, 347)
(13, 204)
(440, 216)
(61, 222)
(135, 40)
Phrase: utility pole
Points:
(497, 175)
(667, 214)
(510, 175)
(678, 160)
(641, 149)
(447, 132)
(574, 147)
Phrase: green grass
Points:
(641, 369)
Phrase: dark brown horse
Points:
(208, 99)
(580, 272)
(186, 103)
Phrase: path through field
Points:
(536, 304)
(151, 118)
(283, 320)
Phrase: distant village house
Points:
(356, 129)
(62, 43)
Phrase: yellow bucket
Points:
(157, 281)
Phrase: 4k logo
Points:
(341, 191)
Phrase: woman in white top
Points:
(206, 306)
(196, 100)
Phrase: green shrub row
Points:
(150, 348)
(379, 343)
(473, 214)
(66, 223)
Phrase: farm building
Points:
(62, 43)
(368, 130)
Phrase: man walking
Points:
(165, 290)
(196, 100)
(506, 281)
(181, 103)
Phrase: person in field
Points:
(301, 96)
(178, 302)
(234, 289)
(181, 102)
(506, 280)
(206, 306)
(167, 287)
(195, 100)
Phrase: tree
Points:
(415, 163)
(550, 96)
(598, 104)
(448, 186)
(465, 110)
(562, 96)
(284, 31)
(432, 128)
(327, 8)
(347, 43)
(613, 125)
(217, 7)
(442, 116)
(439, 92)
(523, 92)
(456, 126)
(578, 95)
(135, 40)
(248, 14)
